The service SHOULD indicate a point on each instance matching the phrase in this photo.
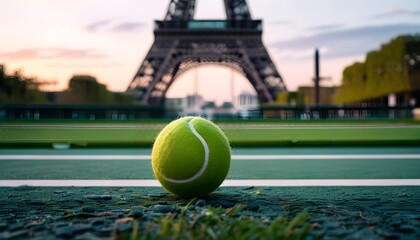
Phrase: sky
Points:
(53, 40)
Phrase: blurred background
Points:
(327, 59)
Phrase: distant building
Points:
(173, 106)
(246, 101)
(246, 104)
(191, 104)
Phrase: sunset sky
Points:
(53, 40)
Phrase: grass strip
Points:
(219, 223)
(46, 136)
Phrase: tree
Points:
(84, 89)
(395, 68)
(17, 89)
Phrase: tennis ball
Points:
(191, 157)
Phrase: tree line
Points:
(82, 89)
(17, 89)
(393, 69)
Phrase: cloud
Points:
(79, 65)
(346, 42)
(110, 25)
(299, 54)
(128, 27)
(51, 53)
(393, 12)
(97, 26)
(326, 27)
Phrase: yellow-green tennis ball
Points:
(191, 157)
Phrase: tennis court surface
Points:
(323, 192)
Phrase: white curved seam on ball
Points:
(206, 158)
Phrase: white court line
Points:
(234, 157)
(326, 156)
(226, 183)
(75, 157)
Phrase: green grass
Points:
(219, 223)
(323, 136)
(308, 133)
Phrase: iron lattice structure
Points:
(182, 43)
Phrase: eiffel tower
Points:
(182, 43)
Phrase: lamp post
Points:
(316, 77)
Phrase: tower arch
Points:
(182, 43)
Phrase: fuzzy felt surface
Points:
(179, 154)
